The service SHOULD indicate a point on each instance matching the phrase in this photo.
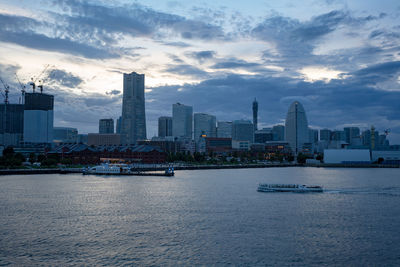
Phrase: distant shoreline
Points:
(197, 167)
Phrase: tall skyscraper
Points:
(38, 118)
(243, 130)
(106, 126)
(164, 126)
(133, 108)
(11, 124)
(224, 129)
(182, 120)
(351, 133)
(255, 114)
(204, 124)
(296, 127)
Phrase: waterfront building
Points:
(95, 139)
(164, 126)
(11, 124)
(255, 115)
(65, 135)
(351, 133)
(241, 145)
(38, 118)
(106, 126)
(279, 132)
(325, 135)
(224, 129)
(347, 156)
(242, 130)
(204, 126)
(133, 108)
(182, 120)
(296, 127)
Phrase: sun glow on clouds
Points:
(315, 73)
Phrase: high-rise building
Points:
(182, 120)
(164, 126)
(279, 132)
(118, 128)
(325, 135)
(351, 133)
(11, 124)
(338, 135)
(224, 129)
(242, 130)
(255, 115)
(133, 108)
(263, 135)
(204, 125)
(313, 135)
(296, 127)
(38, 118)
(106, 126)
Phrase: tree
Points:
(32, 157)
(8, 152)
(301, 158)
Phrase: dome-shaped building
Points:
(296, 127)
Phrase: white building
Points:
(133, 108)
(38, 118)
(182, 120)
(296, 127)
(337, 156)
(204, 125)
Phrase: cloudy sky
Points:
(340, 59)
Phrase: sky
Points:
(340, 59)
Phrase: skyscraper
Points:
(164, 126)
(11, 124)
(243, 130)
(224, 129)
(182, 120)
(296, 127)
(38, 118)
(351, 133)
(279, 132)
(133, 108)
(255, 114)
(204, 124)
(118, 128)
(106, 126)
(325, 135)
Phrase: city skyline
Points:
(338, 58)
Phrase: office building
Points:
(351, 133)
(204, 126)
(65, 135)
(243, 130)
(119, 125)
(106, 126)
(296, 127)
(255, 114)
(164, 126)
(279, 132)
(224, 129)
(313, 136)
(11, 124)
(263, 135)
(38, 118)
(338, 135)
(325, 135)
(182, 121)
(133, 108)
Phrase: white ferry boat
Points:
(289, 188)
(108, 169)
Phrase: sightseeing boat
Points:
(296, 188)
(108, 169)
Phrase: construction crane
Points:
(22, 88)
(6, 91)
(33, 80)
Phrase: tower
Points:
(133, 108)
(182, 120)
(296, 127)
(255, 114)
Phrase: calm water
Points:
(202, 217)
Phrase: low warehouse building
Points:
(347, 156)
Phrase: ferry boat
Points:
(296, 188)
(108, 169)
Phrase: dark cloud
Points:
(186, 70)
(234, 64)
(63, 78)
(113, 92)
(201, 56)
